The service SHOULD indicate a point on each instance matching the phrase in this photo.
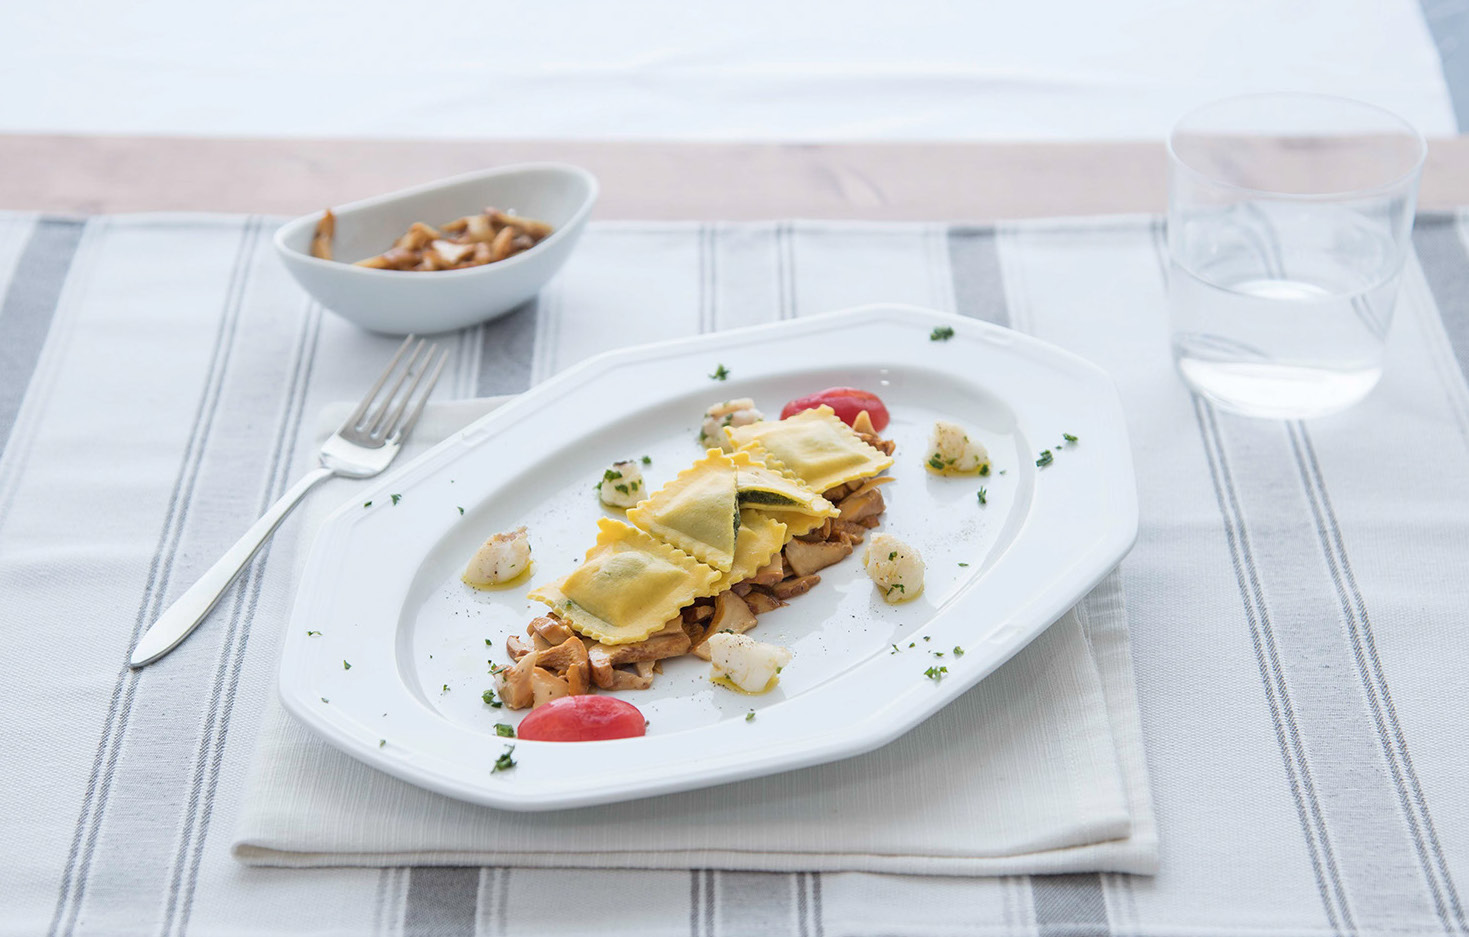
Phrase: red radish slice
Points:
(846, 401)
(582, 719)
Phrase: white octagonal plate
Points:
(381, 583)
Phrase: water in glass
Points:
(1289, 217)
(1252, 334)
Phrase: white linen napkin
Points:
(1038, 769)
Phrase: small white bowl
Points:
(398, 301)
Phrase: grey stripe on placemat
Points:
(1390, 734)
(507, 352)
(99, 783)
(380, 901)
(1446, 267)
(753, 903)
(237, 634)
(1267, 658)
(29, 307)
(974, 264)
(441, 902)
(1257, 617)
(1352, 774)
(803, 904)
(1067, 904)
(1448, 21)
(818, 914)
(1070, 906)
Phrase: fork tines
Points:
(386, 421)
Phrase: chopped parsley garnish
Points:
(984, 469)
(621, 488)
(927, 638)
(346, 666)
(505, 762)
(982, 498)
(721, 373)
(367, 504)
(611, 475)
(445, 689)
(898, 586)
(381, 742)
(1045, 459)
(647, 461)
(489, 697)
(489, 643)
(461, 511)
(894, 650)
(912, 643)
(396, 498)
(935, 673)
(892, 556)
(935, 463)
(504, 731)
(937, 653)
(325, 700)
(961, 564)
(1068, 437)
(941, 333)
(313, 634)
(958, 651)
(750, 716)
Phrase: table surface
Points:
(1295, 793)
(879, 181)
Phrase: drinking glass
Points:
(1289, 217)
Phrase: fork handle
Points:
(184, 615)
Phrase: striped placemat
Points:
(1295, 598)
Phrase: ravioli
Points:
(698, 511)
(814, 445)
(628, 587)
(759, 486)
(760, 538)
(797, 525)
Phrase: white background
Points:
(756, 70)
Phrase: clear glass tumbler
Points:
(1289, 217)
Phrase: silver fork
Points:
(362, 447)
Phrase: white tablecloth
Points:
(756, 70)
(1296, 595)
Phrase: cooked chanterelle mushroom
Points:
(526, 685)
(896, 568)
(605, 659)
(502, 558)
(622, 485)
(544, 671)
(738, 412)
(806, 558)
